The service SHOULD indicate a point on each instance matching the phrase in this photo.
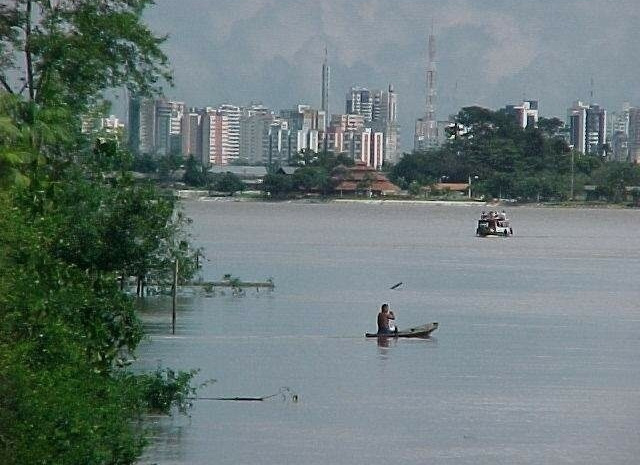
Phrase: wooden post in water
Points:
(175, 297)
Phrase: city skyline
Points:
(488, 54)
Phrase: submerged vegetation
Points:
(73, 225)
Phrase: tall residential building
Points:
(634, 134)
(231, 139)
(142, 125)
(596, 129)
(618, 134)
(587, 128)
(359, 102)
(155, 126)
(212, 131)
(279, 143)
(191, 129)
(168, 130)
(254, 132)
(385, 119)
(426, 129)
(348, 135)
(577, 119)
(525, 114)
(305, 125)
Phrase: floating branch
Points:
(285, 392)
(233, 282)
(396, 286)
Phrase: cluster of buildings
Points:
(254, 134)
(590, 129)
(616, 136)
(587, 129)
(367, 131)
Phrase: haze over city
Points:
(488, 53)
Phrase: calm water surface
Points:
(535, 360)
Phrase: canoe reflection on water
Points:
(384, 342)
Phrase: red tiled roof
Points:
(354, 175)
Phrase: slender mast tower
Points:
(432, 124)
(326, 77)
(426, 134)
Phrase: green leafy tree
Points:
(73, 221)
(145, 163)
(227, 182)
(277, 185)
(167, 165)
(194, 173)
(534, 163)
(69, 52)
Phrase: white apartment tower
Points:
(577, 118)
(231, 137)
(385, 119)
(525, 114)
(587, 127)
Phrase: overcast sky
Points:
(489, 52)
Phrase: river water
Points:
(535, 360)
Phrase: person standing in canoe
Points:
(384, 327)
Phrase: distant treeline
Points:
(504, 160)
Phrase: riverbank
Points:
(204, 197)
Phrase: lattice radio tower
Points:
(430, 116)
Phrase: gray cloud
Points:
(489, 52)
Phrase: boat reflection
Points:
(385, 342)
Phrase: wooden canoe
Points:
(416, 331)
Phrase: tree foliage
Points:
(73, 223)
(70, 51)
(512, 162)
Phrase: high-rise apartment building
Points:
(587, 128)
(212, 131)
(254, 133)
(168, 127)
(617, 134)
(596, 129)
(305, 126)
(360, 102)
(384, 118)
(142, 125)
(577, 119)
(191, 129)
(378, 110)
(220, 135)
(155, 126)
(231, 138)
(279, 143)
(525, 113)
(634, 135)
